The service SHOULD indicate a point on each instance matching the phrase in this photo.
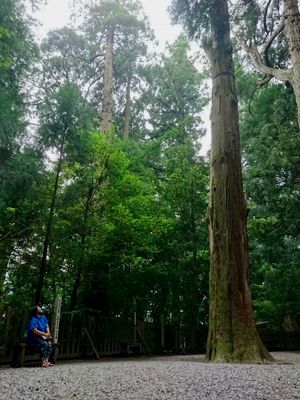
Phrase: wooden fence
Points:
(281, 341)
(82, 333)
(12, 329)
(87, 333)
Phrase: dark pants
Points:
(42, 346)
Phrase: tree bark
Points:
(127, 111)
(292, 28)
(232, 330)
(107, 103)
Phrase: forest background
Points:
(114, 218)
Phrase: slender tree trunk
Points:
(44, 261)
(88, 205)
(77, 281)
(127, 111)
(107, 103)
(292, 29)
(193, 227)
(232, 330)
(5, 251)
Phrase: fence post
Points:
(56, 318)
(162, 333)
(134, 320)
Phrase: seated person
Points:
(38, 335)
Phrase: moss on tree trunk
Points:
(232, 330)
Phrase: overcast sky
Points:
(57, 13)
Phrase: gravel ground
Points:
(163, 378)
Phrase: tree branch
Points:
(265, 15)
(265, 80)
(281, 75)
(271, 40)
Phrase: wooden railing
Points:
(88, 334)
(12, 328)
(281, 341)
(81, 332)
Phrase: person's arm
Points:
(48, 331)
(40, 333)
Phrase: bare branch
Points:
(266, 9)
(282, 75)
(97, 79)
(265, 80)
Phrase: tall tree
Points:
(110, 23)
(129, 63)
(62, 116)
(232, 331)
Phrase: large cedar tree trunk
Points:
(292, 29)
(107, 103)
(232, 330)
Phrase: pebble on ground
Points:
(156, 378)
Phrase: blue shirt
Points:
(38, 322)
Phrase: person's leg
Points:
(48, 353)
(40, 345)
(43, 348)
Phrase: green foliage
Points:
(65, 113)
(271, 152)
(22, 202)
(17, 51)
(175, 97)
(193, 15)
(21, 172)
(118, 13)
(123, 235)
(66, 59)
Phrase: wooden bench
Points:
(22, 352)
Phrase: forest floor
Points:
(161, 378)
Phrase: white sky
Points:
(56, 14)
